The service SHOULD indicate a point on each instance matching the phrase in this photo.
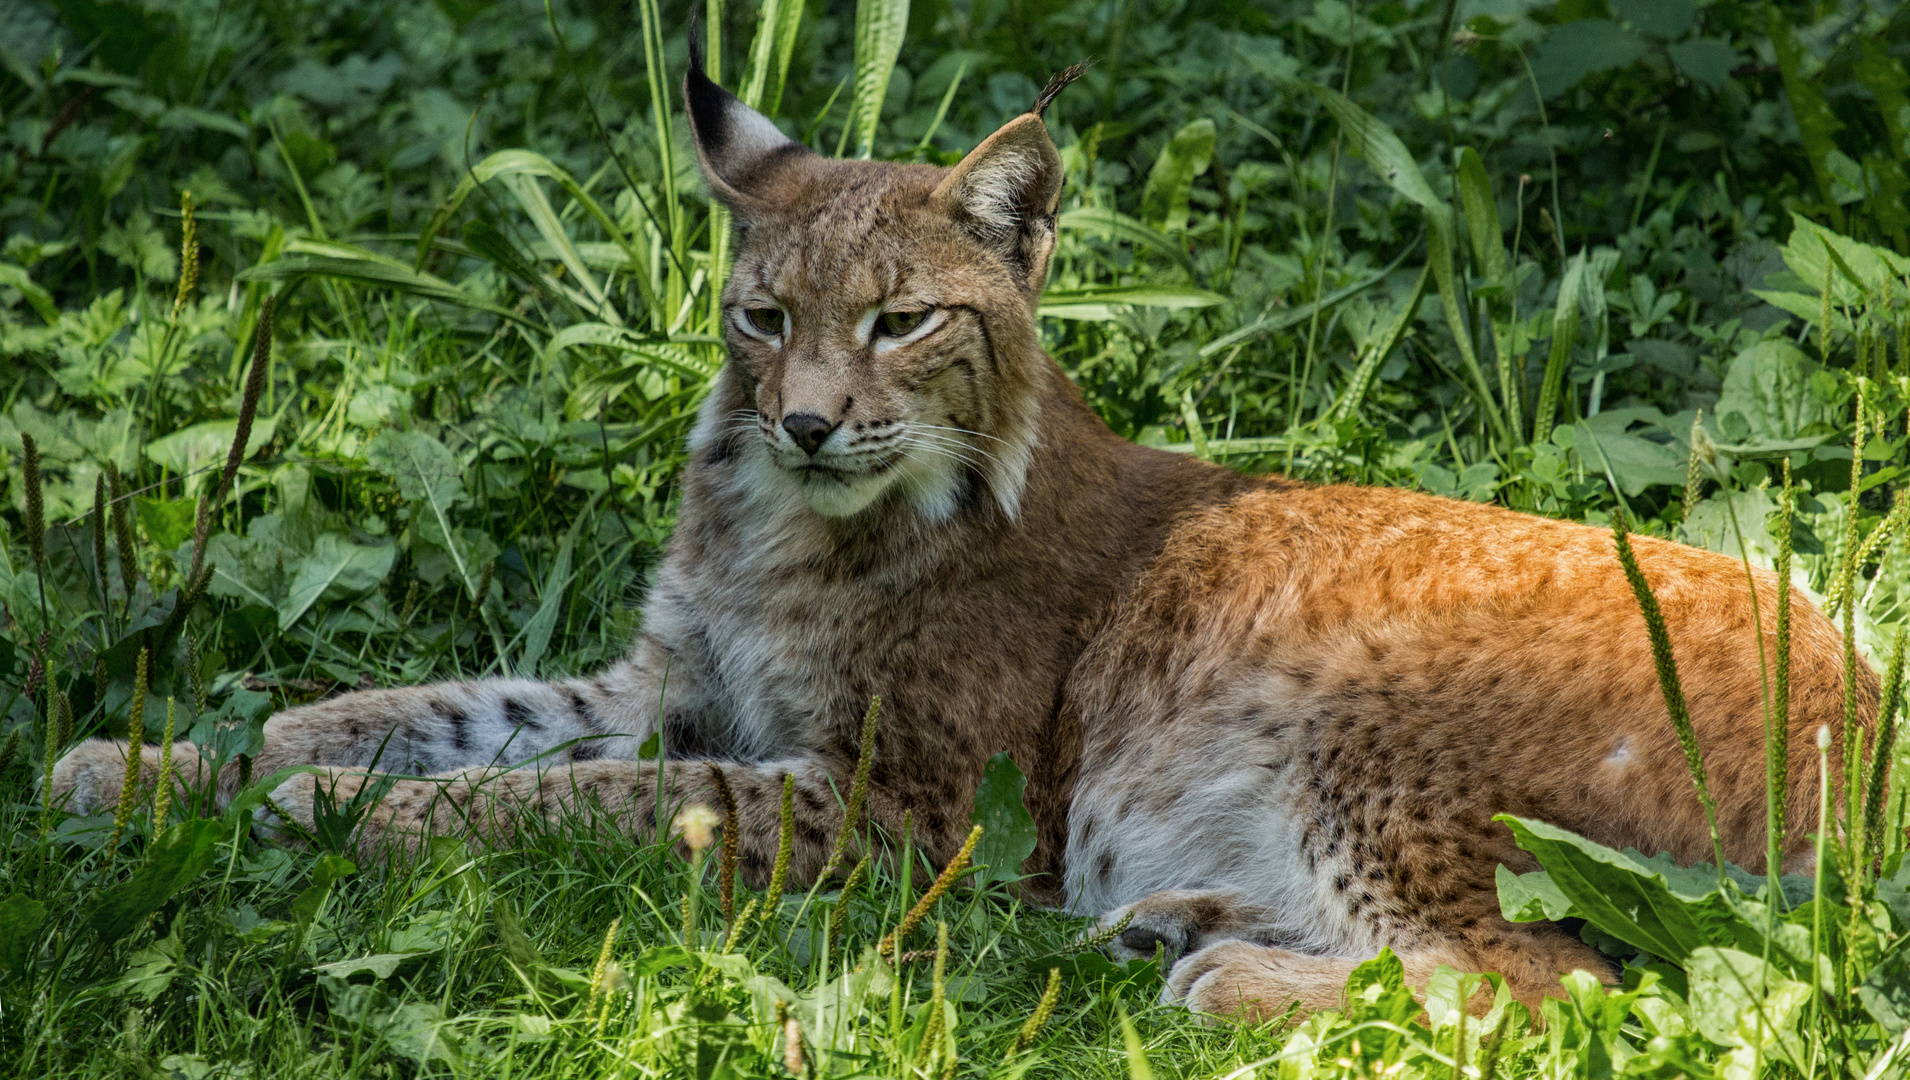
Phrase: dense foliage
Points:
(1580, 258)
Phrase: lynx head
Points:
(880, 317)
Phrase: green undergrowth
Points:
(446, 276)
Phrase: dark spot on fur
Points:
(1104, 866)
(518, 715)
(458, 720)
(587, 751)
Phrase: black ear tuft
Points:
(1059, 83)
(733, 141)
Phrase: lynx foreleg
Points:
(419, 730)
(493, 805)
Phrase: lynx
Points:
(1267, 723)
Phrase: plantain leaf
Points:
(1116, 225)
(880, 26)
(1349, 403)
(1576, 49)
(21, 917)
(1099, 304)
(178, 855)
(190, 449)
(1008, 830)
(375, 271)
(338, 567)
(1373, 142)
(1564, 335)
(1164, 201)
(1482, 214)
(167, 521)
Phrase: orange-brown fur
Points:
(1269, 723)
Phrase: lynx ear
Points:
(1005, 191)
(734, 143)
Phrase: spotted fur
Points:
(1269, 724)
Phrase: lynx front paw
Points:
(1179, 921)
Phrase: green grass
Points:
(1575, 258)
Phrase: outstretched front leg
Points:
(490, 805)
(420, 730)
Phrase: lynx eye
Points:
(900, 323)
(767, 321)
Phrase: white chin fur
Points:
(841, 498)
(931, 484)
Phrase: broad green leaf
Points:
(177, 856)
(380, 965)
(327, 871)
(15, 277)
(1704, 60)
(1768, 397)
(1886, 993)
(1377, 991)
(21, 917)
(1008, 830)
(1739, 1000)
(1099, 304)
(1116, 225)
(879, 29)
(1164, 201)
(1574, 50)
(1655, 906)
(1606, 444)
(152, 969)
(1376, 144)
(168, 522)
(237, 728)
(426, 474)
(1662, 19)
(424, 470)
(336, 567)
(202, 445)
(1857, 272)
(1094, 972)
(1531, 897)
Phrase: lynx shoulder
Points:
(1269, 724)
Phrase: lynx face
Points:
(866, 362)
(875, 316)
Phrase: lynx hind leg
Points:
(1225, 961)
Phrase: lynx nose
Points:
(809, 430)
